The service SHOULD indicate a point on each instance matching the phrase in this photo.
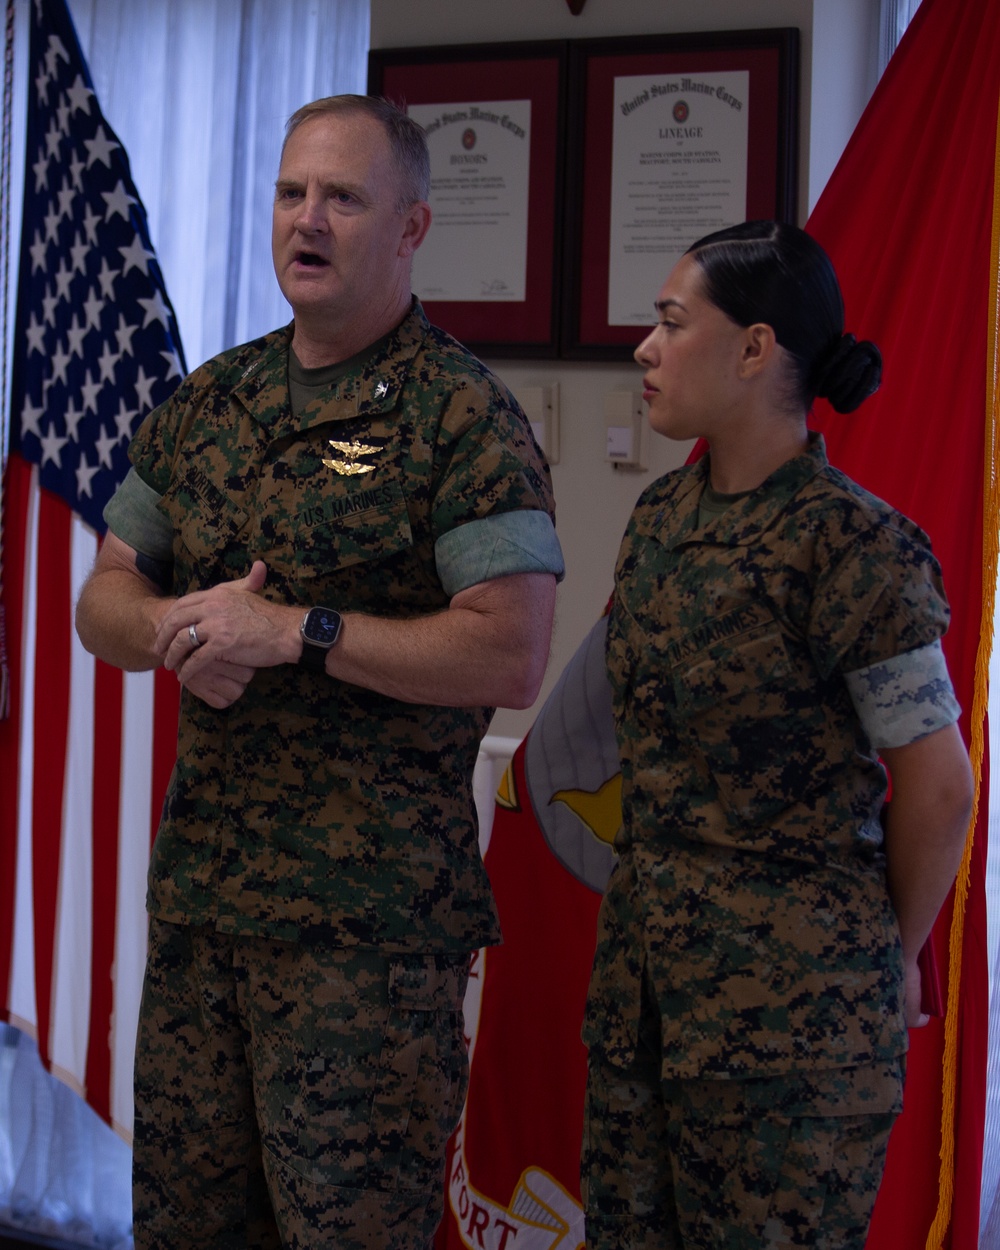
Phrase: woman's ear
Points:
(758, 349)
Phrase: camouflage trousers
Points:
(293, 1096)
(759, 1164)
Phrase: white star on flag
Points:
(97, 334)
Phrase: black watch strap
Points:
(313, 657)
(320, 629)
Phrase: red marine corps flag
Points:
(911, 220)
(513, 1176)
(84, 751)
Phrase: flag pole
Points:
(5, 181)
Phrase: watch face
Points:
(321, 626)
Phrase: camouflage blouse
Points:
(751, 880)
(313, 808)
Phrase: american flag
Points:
(85, 751)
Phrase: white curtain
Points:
(63, 1173)
(894, 17)
(198, 92)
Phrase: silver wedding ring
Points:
(193, 635)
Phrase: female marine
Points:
(773, 648)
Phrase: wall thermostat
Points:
(625, 429)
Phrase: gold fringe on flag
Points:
(991, 545)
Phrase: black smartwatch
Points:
(320, 629)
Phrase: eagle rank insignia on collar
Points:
(349, 463)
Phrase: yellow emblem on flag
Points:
(507, 796)
(600, 810)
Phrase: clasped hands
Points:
(216, 639)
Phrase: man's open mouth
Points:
(310, 258)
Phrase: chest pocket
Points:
(316, 527)
(747, 708)
(364, 520)
(730, 669)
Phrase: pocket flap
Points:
(428, 982)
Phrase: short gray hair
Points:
(407, 141)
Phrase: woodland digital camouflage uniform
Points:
(313, 807)
(359, 1075)
(755, 1164)
(750, 887)
(317, 860)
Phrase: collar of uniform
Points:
(259, 375)
(745, 520)
(262, 387)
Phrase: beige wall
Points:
(593, 499)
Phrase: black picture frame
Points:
(470, 73)
(772, 58)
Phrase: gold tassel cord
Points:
(991, 546)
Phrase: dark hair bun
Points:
(848, 372)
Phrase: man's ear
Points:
(416, 223)
(758, 349)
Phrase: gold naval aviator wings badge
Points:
(349, 463)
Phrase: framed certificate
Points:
(671, 137)
(489, 270)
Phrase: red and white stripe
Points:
(84, 761)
